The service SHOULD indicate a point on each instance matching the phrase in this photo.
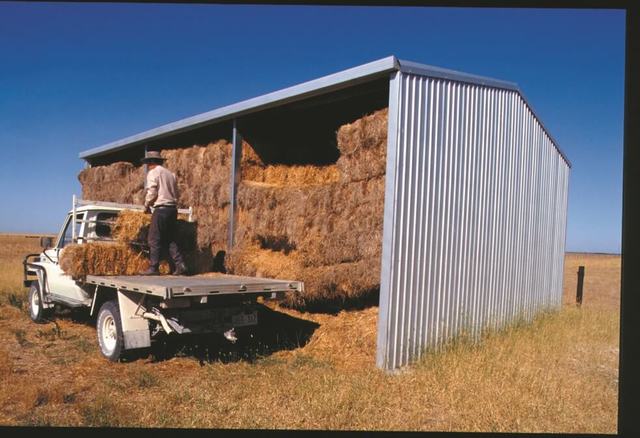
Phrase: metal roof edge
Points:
(544, 128)
(442, 73)
(313, 87)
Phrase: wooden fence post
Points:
(580, 285)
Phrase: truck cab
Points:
(91, 224)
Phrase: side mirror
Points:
(45, 242)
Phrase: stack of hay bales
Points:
(321, 224)
(203, 174)
(127, 254)
(318, 224)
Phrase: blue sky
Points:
(76, 76)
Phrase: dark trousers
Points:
(162, 236)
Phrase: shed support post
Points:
(236, 156)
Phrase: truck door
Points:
(61, 284)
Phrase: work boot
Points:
(181, 269)
(150, 271)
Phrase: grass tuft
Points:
(84, 345)
(146, 379)
(41, 399)
(16, 300)
(102, 412)
(50, 334)
(21, 337)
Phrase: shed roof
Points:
(345, 79)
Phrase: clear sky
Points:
(76, 76)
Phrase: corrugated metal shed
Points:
(475, 214)
(475, 197)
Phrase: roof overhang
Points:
(332, 82)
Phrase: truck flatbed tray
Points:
(169, 286)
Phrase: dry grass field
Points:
(317, 371)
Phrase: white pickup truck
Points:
(133, 310)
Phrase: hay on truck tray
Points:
(104, 258)
(321, 224)
(128, 254)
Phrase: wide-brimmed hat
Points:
(152, 157)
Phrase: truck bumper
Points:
(211, 320)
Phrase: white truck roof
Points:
(81, 205)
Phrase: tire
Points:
(109, 328)
(37, 312)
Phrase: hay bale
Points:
(119, 182)
(335, 282)
(100, 258)
(347, 229)
(329, 224)
(363, 147)
(296, 211)
(291, 176)
(267, 210)
(252, 260)
(131, 226)
(342, 281)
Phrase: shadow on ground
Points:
(75, 315)
(334, 306)
(276, 331)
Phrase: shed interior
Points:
(304, 132)
(298, 132)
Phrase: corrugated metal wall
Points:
(475, 215)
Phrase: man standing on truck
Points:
(162, 195)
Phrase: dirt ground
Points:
(317, 370)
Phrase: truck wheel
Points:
(37, 312)
(109, 328)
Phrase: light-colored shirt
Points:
(162, 187)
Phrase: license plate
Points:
(244, 319)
